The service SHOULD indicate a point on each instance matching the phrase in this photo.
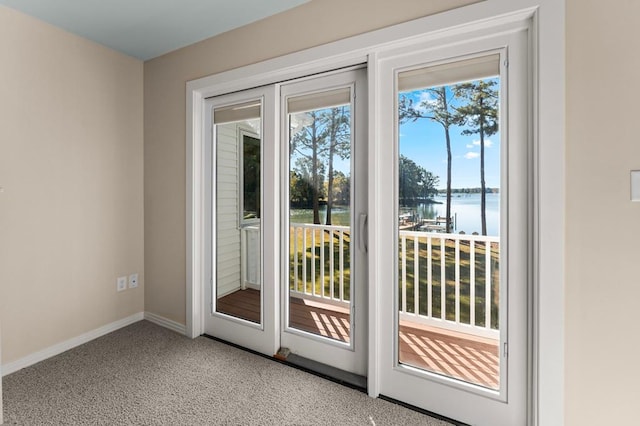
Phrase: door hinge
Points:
(505, 350)
(506, 63)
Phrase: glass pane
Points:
(320, 214)
(237, 206)
(449, 220)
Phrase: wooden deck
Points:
(462, 356)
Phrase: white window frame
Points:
(547, 19)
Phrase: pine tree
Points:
(319, 137)
(338, 132)
(436, 109)
(480, 114)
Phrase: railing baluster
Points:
(403, 305)
(295, 258)
(443, 281)
(457, 257)
(472, 282)
(331, 265)
(313, 261)
(487, 285)
(429, 279)
(304, 257)
(342, 265)
(416, 274)
(322, 264)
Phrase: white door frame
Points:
(548, 118)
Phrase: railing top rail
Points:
(314, 226)
(461, 237)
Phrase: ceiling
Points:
(148, 28)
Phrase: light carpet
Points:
(144, 374)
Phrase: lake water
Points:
(464, 207)
(339, 215)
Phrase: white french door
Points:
(453, 164)
(240, 298)
(324, 253)
(286, 239)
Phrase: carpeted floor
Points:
(146, 375)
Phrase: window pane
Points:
(237, 220)
(449, 220)
(320, 143)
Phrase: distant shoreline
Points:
(478, 190)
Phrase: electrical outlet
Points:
(133, 280)
(121, 284)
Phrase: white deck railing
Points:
(412, 242)
(250, 258)
(320, 263)
(320, 270)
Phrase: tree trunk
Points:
(448, 208)
(330, 186)
(448, 139)
(314, 175)
(483, 189)
(332, 149)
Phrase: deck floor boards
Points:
(457, 355)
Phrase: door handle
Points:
(362, 232)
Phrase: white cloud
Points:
(426, 98)
(470, 146)
(471, 155)
(487, 143)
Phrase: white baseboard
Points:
(166, 323)
(54, 350)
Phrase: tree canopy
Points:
(317, 139)
(416, 183)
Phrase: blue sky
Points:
(423, 141)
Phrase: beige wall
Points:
(603, 226)
(71, 165)
(312, 24)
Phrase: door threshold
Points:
(327, 371)
(423, 411)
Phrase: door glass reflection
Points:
(238, 278)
